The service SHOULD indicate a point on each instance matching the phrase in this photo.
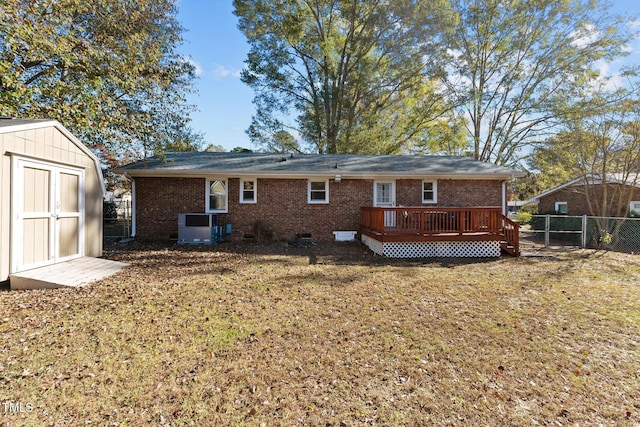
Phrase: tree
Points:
(514, 62)
(444, 136)
(213, 148)
(551, 163)
(107, 69)
(602, 148)
(353, 73)
(284, 142)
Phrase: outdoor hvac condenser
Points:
(198, 229)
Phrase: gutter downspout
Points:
(133, 206)
(504, 198)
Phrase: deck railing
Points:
(432, 221)
(511, 232)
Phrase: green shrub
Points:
(109, 210)
(522, 217)
(261, 231)
(531, 208)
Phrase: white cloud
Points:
(455, 54)
(608, 79)
(221, 72)
(196, 66)
(585, 36)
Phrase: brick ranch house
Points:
(570, 198)
(389, 199)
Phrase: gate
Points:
(117, 219)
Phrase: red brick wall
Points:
(577, 200)
(160, 200)
(408, 192)
(282, 207)
(282, 204)
(469, 193)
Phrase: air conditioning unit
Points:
(198, 229)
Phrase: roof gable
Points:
(8, 125)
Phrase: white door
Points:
(47, 214)
(384, 195)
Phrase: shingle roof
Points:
(11, 122)
(593, 179)
(202, 163)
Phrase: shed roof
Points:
(288, 165)
(6, 123)
(12, 124)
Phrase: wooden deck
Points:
(74, 273)
(433, 224)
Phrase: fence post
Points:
(584, 231)
(547, 225)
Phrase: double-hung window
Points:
(384, 193)
(217, 195)
(562, 208)
(429, 192)
(318, 192)
(248, 190)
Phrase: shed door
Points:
(48, 214)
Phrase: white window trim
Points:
(326, 189)
(208, 195)
(393, 192)
(255, 191)
(634, 202)
(557, 205)
(435, 192)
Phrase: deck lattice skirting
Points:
(461, 249)
(421, 232)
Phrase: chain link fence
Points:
(117, 219)
(610, 233)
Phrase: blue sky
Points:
(218, 49)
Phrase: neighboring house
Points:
(570, 198)
(302, 194)
(514, 206)
(52, 192)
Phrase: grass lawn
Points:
(329, 335)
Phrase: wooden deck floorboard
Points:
(74, 273)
